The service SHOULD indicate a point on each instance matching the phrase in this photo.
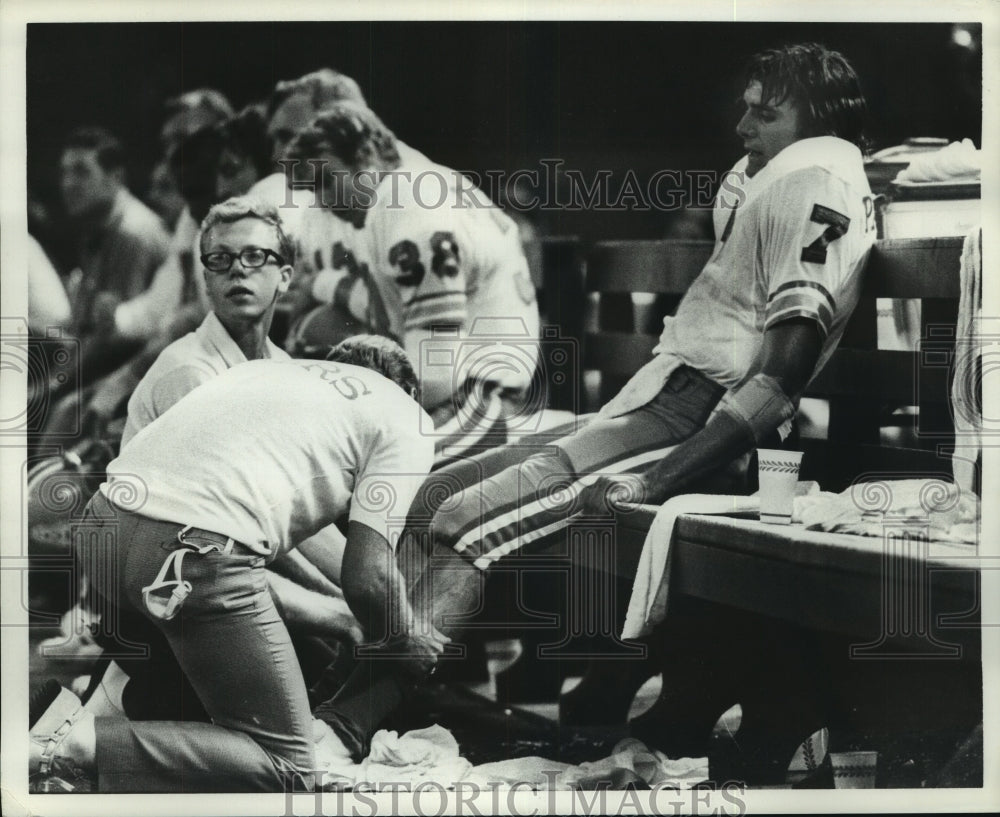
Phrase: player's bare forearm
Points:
(325, 551)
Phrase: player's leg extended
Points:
(522, 505)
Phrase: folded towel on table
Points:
(958, 161)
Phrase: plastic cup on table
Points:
(778, 473)
(854, 770)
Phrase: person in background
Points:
(189, 112)
(48, 306)
(449, 279)
(294, 103)
(121, 242)
(163, 197)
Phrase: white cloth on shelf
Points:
(966, 397)
(959, 160)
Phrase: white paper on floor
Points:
(432, 755)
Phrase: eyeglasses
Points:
(250, 258)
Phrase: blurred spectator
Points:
(173, 304)
(186, 114)
(163, 197)
(48, 306)
(295, 102)
(190, 112)
(120, 244)
(176, 284)
(245, 156)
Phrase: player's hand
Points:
(419, 649)
(612, 493)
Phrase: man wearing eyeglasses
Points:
(248, 265)
(247, 259)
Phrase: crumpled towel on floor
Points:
(420, 755)
(431, 755)
(630, 760)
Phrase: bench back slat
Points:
(663, 267)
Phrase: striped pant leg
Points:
(528, 503)
(474, 422)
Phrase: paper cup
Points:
(778, 474)
(854, 770)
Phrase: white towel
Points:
(648, 603)
(655, 768)
(647, 606)
(960, 160)
(965, 399)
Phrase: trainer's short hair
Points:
(323, 87)
(820, 82)
(208, 99)
(110, 153)
(241, 207)
(351, 132)
(381, 354)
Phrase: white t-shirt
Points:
(270, 452)
(790, 243)
(186, 363)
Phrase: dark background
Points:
(479, 96)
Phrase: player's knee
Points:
(451, 521)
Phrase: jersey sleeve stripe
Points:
(802, 300)
(438, 311)
(801, 282)
(798, 312)
(430, 296)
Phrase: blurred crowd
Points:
(135, 282)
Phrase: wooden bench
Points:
(832, 585)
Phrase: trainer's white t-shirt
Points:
(270, 452)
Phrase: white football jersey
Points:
(790, 243)
(444, 255)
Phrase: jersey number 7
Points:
(837, 224)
